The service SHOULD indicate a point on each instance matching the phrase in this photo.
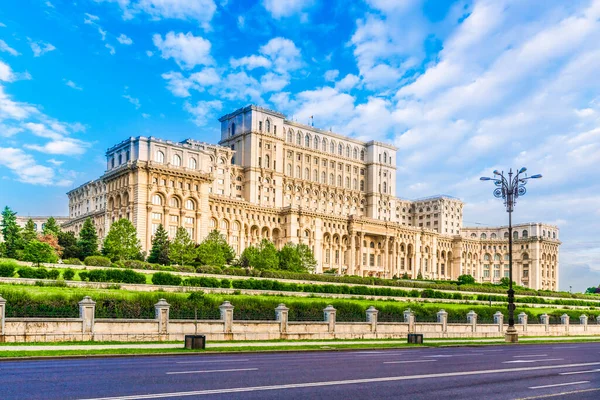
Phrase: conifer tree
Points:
(159, 254)
(29, 233)
(121, 242)
(11, 232)
(88, 240)
(183, 249)
(51, 227)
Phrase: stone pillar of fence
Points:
(372, 313)
(598, 319)
(227, 316)
(409, 317)
(2, 314)
(564, 320)
(329, 315)
(583, 320)
(499, 320)
(472, 319)
(281, 315)
(522, 317)
(545, 320)
(87, 312)
(161, 314)
(442, 318)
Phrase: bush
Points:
(113, 275)
(53, 274)
(97, 261)
(137, 264)
(33, 273)
(72, 261)
(68, 274)
(7, 268)
(164, 278)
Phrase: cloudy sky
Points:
(461, 87)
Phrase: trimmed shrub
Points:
(53, 274)
(7, 268)
(164, 278)
(72, 261)
(68, 274)
(97, 261)
(33, 273)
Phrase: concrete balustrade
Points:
(163, 327)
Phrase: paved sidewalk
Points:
(210, 345)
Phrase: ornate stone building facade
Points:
(273, 178)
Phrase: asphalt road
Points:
(565, 371)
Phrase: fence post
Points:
(499, 319)
(598, 319)
(545, 321)
(281, 315)
(2, 314)
(372, 313)
(583, 320)
(227, 316)
(442, 318)
(87, 311)
(329, 315)
(523, 321)
(410, 318)
(472, 319)
(161, 314)
(564, 320)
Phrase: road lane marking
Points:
(545, 396)
(531, 361)
(211, 370)
(210, 361)
(565, 347)
(337, 383)
(407, 362)
(532, 355)
(558, 384)
(580, 372)
(453, 355)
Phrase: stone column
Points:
(352, 264)
(545, 321)
(499, 319)
(564, 320)
(2, 314)
(227, 316)
(522, 317)
(583, 320)
(281, 315)
(329, 314)
(442, 318)
(598, 319)
(372, 318)
(410, 318)
(87, 310)
(161, 314)
(472, 319)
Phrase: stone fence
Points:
(161, 328)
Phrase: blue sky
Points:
(461, 87)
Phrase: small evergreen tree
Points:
(419, 275)
(182, 250)
(39, 252)
(68, 242)
(28, 234)
(51, 227)
(121, 242)
(88, 240)
(11, 232)
(465, 279)
(159, 254)
(214, 250)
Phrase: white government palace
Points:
(273, 178)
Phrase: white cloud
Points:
(102, 33)
(133, 100)
(6, 73)
(286, 8)
(187, 50)
(203, 111)
(331, 75)
(144, 115)
(241, 21)
(251, 62)
(55, 162)
(6, 48)
(111, 49)
(72, 85)
(180, 86)
(271, 82)
(283, 53)
(24, 166)
(48, 4)
(40, 48)
(64, 146)
(124, 39)
(90, 19)
(348, 82)
(149, 53)
(2, 25)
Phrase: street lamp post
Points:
(509, 189)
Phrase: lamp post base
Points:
(511, 335)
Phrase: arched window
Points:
(120, 159)
(332, 147)
(524, 234)
(298, 139)
(496, 257)
(483, 236)
(315, 175)
(233, 129)
(160, 157)
(339, 180)
(268, 125)
(347, 182)
(307, 140)
(298, 173)
(316, 143)
(354, 184)
(267, 161)
(340, 149)
(505, 235)
(515, 235)
(486, 257)
(362, 155)
(174, 202)
(290, 137)
(331, 179)
(289, 170)
(355, 153)
(192, 163)
(189, 205)
(177, 160)
(525, 256)
(157, 200)
(323, 177)
(384, 187)
(493, 236)
(324, 144)
(306, 174)
(224, 225)
(553, 235)
(385, 158)
(348, 151)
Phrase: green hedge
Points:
(97, 261)
(164, 278)
(7, 268)
(113, 275)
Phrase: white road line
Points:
(438, 356)
(565, 347)
(453, 355)
(532, 355)
(210, 361)
(407, 362)
(212, 370)
(558, 384)
(532, 361)
(580, 372)
(346, 382)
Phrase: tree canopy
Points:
(296, 258)
(214, 250)
(39, 252)
(121, 242)
(264, 256)
(88, 240)
(11, 232)
(159, 253)
(182, 249)
(51, 227)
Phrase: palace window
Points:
(160, 157)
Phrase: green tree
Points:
(121, 242)
(214, 250)
(68, 242)
(183, 249)
(88, 240)
(159, 254)
(466, 280)
(262, 257)
(419, 275)
(29, 233)
(307, 258)
(38, 252)
(296, 258)
(51, 227)
(11, 232)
